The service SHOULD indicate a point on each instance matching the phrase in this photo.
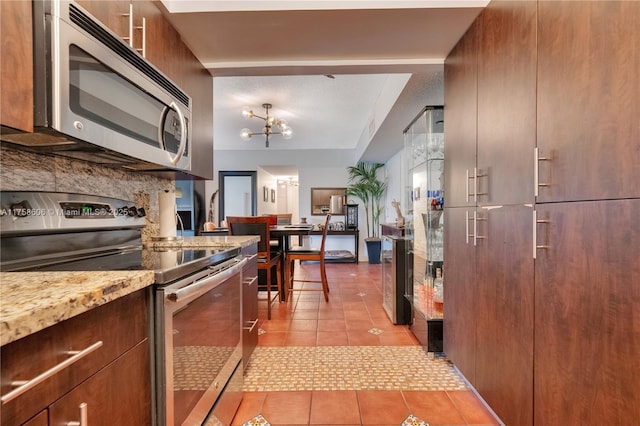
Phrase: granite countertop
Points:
(208, 241)
(32, 301)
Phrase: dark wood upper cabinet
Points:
(506, 103)
(460, 106)
(114, 14)
(589, 99)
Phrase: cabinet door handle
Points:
(25, 385)
(536, 171)
(83, 416)
(129, 38)
(143, 28)
(475, 184)
(476, 237)
(466, 231)
(467, 188)
(253, 325)
(252, 281)
(537, 247)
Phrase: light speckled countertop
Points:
(32, 301)
(208, 241)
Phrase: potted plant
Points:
(365, 185)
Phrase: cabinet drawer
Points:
(119, 394)
(119, 325)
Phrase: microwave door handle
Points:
(183, 134)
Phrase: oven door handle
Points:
(199, 287)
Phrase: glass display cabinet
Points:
(423, 200)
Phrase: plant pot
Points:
(374, 246)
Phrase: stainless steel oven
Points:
(199, 332)
(196, 324)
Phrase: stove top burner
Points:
(168, 265)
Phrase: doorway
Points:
(237, 193)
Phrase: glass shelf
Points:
(423, 158)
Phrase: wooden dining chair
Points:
(312, 254)
(267, 258)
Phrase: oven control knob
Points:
(132, 211)
(141, 212)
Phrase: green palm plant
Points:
(365, 185)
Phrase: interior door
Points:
(587, 326)
(237, 193)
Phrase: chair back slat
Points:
(324, 234)
(252, 225)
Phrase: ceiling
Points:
(386, 58)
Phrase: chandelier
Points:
(273, 126)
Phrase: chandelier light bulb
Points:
(287, 133)
(271, 121)
(246, 134)
(282, 124)
(246, 112)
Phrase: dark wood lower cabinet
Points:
(489, 301)
(113, 395)
(459, 293)
(113, 378)
(587, 301)
(504, 311)
(249, 303)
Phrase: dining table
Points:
(280, 232)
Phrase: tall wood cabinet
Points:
(542, 138)
(587, 271)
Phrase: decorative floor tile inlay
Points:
(362, 294)
(376, 331)
(298, 368)
(261, 331)
(414, 421)
(258, 420)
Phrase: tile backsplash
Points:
(26, 171)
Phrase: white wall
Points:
(267, 180)
(316, 169)
(395, 183)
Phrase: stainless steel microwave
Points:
(97, 99)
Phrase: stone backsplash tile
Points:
(26, 171)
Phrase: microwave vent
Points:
(120, 48)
